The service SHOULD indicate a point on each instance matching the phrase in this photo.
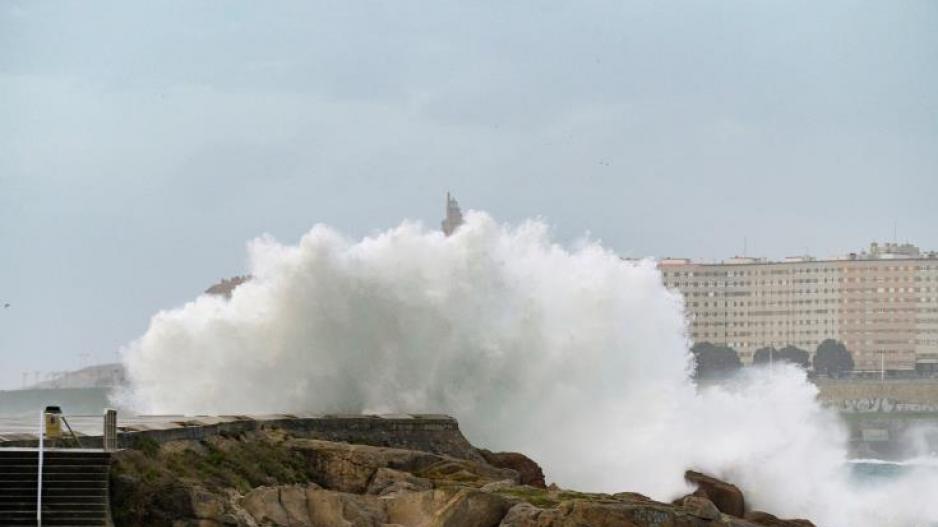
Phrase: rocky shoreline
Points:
(275, 477)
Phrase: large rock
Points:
(726, 496)
(701, 508)
(313, 507)
(600, 513)
(529, 472)
(284, 505)
(449, 507)
(265, 506)
(338, 509)
(387, 482)
(269, 479)
(294, 506)
(768, 520)
(350, 468)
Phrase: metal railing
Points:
(108, 441)
(42, 435)
(109, 436)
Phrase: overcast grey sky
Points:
(141, 144)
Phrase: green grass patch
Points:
(548, 499)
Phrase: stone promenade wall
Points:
(911, 392)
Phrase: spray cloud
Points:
(572, 356)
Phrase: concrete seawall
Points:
(892, 436)
(437, 433)
(892, 420)
(923, 392)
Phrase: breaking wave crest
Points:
(570, 355)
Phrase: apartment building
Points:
(882, 304)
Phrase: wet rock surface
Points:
(768, 520)
(529, 472)
(726, 496)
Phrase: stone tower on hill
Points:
(227, 285)
(453, 215)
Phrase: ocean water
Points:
(874, 472)
(872, 475)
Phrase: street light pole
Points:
(882, 367)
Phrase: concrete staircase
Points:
(74, 487)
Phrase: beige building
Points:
(882, 304)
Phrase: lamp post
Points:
(882, 367)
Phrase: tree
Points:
(765, 355)
(795, 355)
(791, 354)
(714, 362)
(832, 358)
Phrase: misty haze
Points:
(432, 264)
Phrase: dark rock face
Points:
(726, 496)
(529, 472)
(764, 518)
